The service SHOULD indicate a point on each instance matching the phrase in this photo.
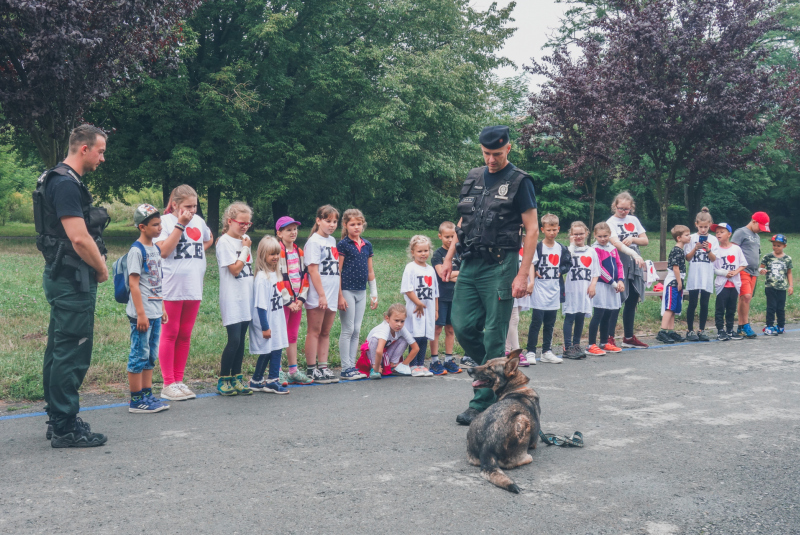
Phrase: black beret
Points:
(494, 137)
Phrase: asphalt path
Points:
(694, 438)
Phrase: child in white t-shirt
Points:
(550, 265)
(184, 240)
(268, 334)
(322, 263)
(382, 351)
(421, 292)
(580, 286)
(701, 254)
(235, 295)
(729, 264)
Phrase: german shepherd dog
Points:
(501, 435)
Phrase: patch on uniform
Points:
(503, 189)
(468, 199)
(477, 187)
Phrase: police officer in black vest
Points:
(496, 202)
(69, 232)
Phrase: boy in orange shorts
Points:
(747, 239)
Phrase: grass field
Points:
(24, 312)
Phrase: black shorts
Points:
(444, 313)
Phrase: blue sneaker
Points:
(275, 387)
(351, 374)
(747, 331)
(780, 330)
(468, 362)
(374, 375)
(147, 405)
(770, 331)
(451, 366)
(436, 368)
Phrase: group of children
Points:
(266, 292)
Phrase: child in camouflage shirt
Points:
(777, 266)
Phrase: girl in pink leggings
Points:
(295, 290)
(183, 241)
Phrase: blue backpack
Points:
(122, 289)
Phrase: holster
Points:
(81, 270)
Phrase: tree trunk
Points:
(662, 247)
(280, 208)
(693, 201)
(165, 191)
(213, 209)
(592, 205)
(51, 150)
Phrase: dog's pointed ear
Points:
(511, 364)
(515, 354)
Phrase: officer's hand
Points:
(102, 276)
(142, 323)
(519, 287)
(447, 268)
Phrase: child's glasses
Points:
(242, 223)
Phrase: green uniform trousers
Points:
(69, 344)
(482, 305)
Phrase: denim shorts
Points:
(144, 346)
(444, 313)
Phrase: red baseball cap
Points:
(763, 221)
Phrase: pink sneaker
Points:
(523, 361)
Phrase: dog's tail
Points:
(492, 473)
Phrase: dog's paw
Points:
(514, 488)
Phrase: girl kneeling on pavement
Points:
(382, 352)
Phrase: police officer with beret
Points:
(69, 232)
(496, 202)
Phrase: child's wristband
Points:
(373, 288)
(244, 255)
(180, 227)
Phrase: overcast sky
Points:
(535, 20)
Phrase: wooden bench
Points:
(661, 271)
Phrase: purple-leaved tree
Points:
(58, 56)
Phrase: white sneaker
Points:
(530, 356)
(550, 357)
(421, 371)
(402, 369)
(173, 393)
(185, 390)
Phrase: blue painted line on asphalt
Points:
(212, 394)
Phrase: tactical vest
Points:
(50, 231)
(488, 215)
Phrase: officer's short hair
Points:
(549, 219)
(85, 134)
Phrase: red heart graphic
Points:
(586, 261)
(248, 259)
(335, 253)
(521, 251)
(193, 233)
(553, 258)
(629, 227)
(731, 258)
(429, 281)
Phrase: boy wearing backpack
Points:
(551, 261)
(144, 310)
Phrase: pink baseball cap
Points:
(285, 221)
(763, 221)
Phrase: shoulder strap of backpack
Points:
(141, 248)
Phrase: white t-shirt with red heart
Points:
(546, 288)
(235, 293)
(322, 252)
(623, 227)
(585, 266)
(422, 281)
(701, 271)
(184, 268)
(729, 259)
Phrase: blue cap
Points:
(780, 238)
(494, 137)
(715, 226)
